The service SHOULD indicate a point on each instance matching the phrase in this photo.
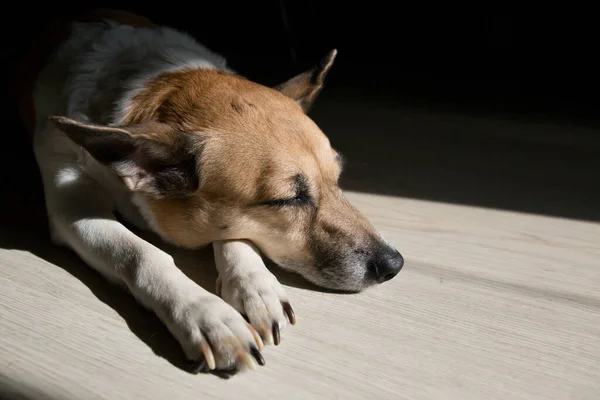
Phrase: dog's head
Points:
(215, 157)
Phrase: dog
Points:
(134, 119)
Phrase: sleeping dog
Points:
(141, 120)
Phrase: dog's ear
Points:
(151, 158)
(304, 88)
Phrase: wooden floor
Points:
(499, 298)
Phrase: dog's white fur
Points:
(81, 196)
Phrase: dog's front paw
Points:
(211, 330)
(261, 299)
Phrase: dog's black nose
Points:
(386, 264)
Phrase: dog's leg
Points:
(208, 328)
(245, 282)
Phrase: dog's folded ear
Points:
(151, 158)
(304, 88)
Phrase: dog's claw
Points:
(195, 367)
(276, 335)
(208, 355)
(257, 339)
(247, 361)
(289, 311)
(257, 356)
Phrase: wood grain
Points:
(491, 304)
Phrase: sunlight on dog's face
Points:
(224, 158)
(289, 203)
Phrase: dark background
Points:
(432, 102)
(495, 58)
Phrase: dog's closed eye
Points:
(300, 199)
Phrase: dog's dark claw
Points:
(257, 356)
(289, 311)
(276, 336)
(195, 367)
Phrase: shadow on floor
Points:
(24, 227)
(26, 230)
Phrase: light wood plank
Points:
(491, 304)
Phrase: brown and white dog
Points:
(142, 120)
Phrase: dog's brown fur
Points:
(252, 142)
(218, 157)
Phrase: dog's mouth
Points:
(288, 274)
